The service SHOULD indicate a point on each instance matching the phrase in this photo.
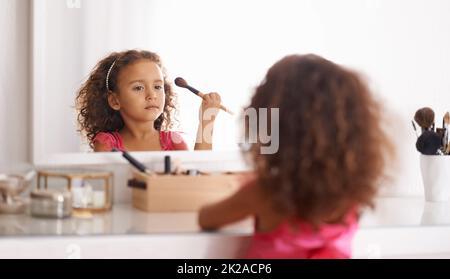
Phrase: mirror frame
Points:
(38, 34)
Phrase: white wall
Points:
(14, 83)
(402, 46)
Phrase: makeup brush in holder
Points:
(429, 143)
(425, 118)
(446, 138)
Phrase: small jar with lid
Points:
(51, 203)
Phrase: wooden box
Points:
(166, 193)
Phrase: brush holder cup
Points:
(435, 172)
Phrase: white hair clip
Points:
(107, 75)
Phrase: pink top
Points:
(169, 140)
(330, 241)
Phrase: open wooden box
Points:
(165, 193)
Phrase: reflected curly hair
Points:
(332, 148)
(94, 113)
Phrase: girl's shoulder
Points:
(172, 140)
(109, 139)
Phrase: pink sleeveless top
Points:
(330, 241)
(169, 140)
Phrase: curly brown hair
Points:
(332, 148)
(94, 113)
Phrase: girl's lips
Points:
(151, 107)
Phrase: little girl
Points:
(127, 104)
(306, 197)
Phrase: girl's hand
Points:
(210, 107)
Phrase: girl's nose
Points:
(151, 94)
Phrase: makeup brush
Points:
(180, 82)
(446, 119)
(414, 127)
(425, 118)
(446, 127)
(141, 167)
(428, 143)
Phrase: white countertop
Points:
(398, 226)
(397, 212)
(123, 219)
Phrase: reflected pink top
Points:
(169, 140)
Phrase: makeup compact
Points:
(50, 203)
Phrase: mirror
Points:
(72, 36)
(227, 46)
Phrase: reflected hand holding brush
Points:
(181, 82)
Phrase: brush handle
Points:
(134, 162)
(201, 95)
(192, 89)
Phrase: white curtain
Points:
(78, 34)
(114, 25)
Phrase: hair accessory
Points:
(109, 72)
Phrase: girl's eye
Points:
(138, 88)
(158, 87)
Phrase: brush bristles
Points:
(428, 143)
(181, 82)
(447, 119)
(424, 117)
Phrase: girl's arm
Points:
(237, 207)
(208, 112)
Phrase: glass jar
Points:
(51, 203)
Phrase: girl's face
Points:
(140, 95)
